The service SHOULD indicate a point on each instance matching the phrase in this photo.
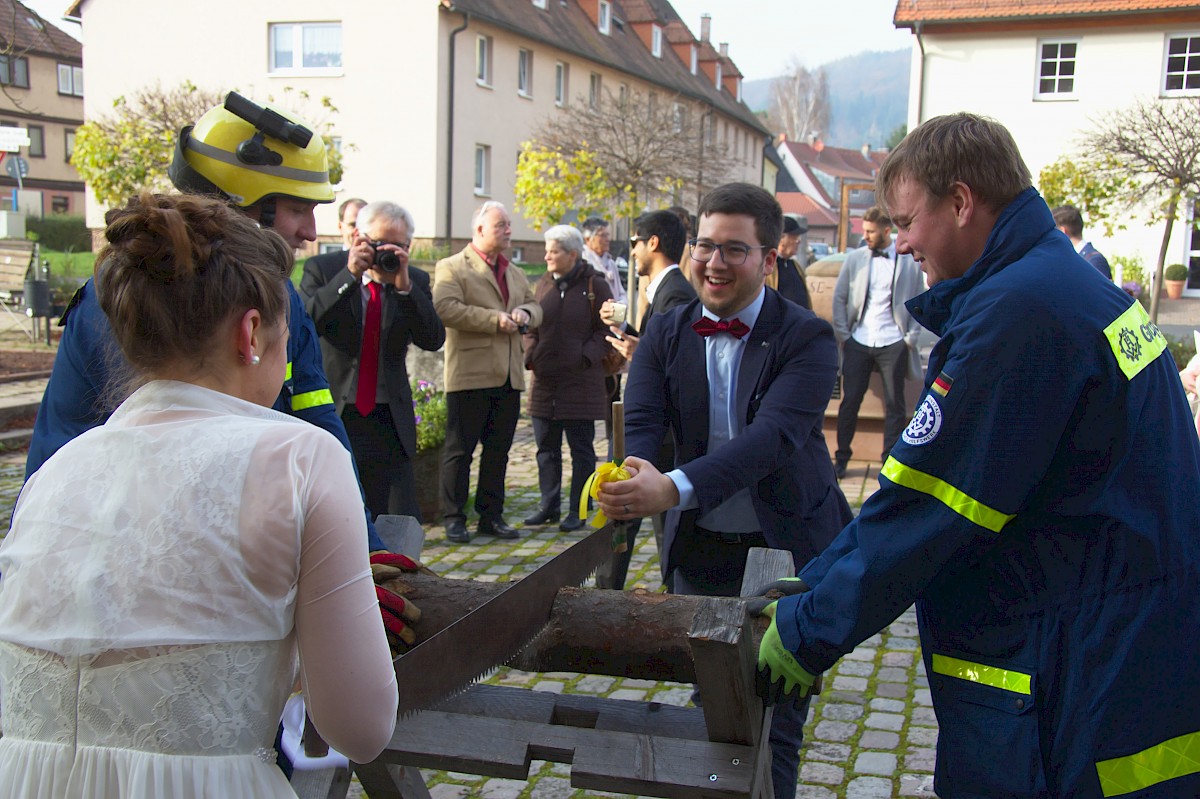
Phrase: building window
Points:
(310, 48)
(59, 204)
(656, 40)
(1056, 70)
(70, 80)
(69, 143)
(678, 117)
(1181, 71)
(623, 95)
(539, 3)
(37, 141)
(14, 71)
(525, 73)
(562, 74)
(739, 90)
(695, 59)
(518, 255)
(605, 17)
(720, 74)
(594, 92)
(483, 60)
(483, 169)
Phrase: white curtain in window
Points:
(323, 45)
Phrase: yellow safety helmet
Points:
(250, 154)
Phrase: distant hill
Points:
(868, 92)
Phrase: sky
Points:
(764, 34)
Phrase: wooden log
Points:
(636, 634)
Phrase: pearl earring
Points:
(254, 360)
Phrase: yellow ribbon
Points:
(607, 472)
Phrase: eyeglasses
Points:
(733, 254)
(634, 240)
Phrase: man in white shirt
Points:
(875, 331)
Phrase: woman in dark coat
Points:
(565, 353)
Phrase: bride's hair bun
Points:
(176, 267)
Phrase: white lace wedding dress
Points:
(161, 573)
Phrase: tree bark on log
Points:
(636, 634)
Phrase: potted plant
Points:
(429, 412)
(1175, 277)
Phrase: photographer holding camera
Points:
(368, 304)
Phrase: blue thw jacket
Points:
(89, 361)
(1043, 511)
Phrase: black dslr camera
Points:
(385, 260)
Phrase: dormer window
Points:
(719, 75)
(695, 59)
(605, 17)
(539, 3)
(739, 90)
(656, 41)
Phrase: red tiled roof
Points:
(840, 162)
(793, 202)
(27, 31)
(912, 11)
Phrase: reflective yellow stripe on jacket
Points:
(964, 505)
(1177, 757)
(1009, 680)
(309, 399)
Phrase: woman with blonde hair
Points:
(164, 571)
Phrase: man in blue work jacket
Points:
(1042, 508)
(258, 160)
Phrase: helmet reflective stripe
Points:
(285, 172)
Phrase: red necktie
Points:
(734, 327)
(368, 359)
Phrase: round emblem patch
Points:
(925, 424)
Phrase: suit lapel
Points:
(755, 356)
(485, 272)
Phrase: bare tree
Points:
(1156, 143)
(800, 102)
(649, 146)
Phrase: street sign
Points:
(16, 167)
(13, 139)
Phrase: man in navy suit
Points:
(368, 305)
(1068, 219)
(752, 468)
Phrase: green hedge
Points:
(59, 232)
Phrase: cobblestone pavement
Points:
(870, 735)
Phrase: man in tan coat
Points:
(485, 303)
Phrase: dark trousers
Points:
(487, 415)
(549, 435)
(709, 564)
(858, 361)
(383, 465)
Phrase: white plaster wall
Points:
(996, 76)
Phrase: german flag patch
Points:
(941, 384)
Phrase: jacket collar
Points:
(1018, 228)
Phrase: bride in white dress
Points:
(168, 575)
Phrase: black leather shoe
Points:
(543, 517)
(839, 469)
(572, 524)
(497, 528)
(456, 531)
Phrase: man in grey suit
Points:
(875, 331)
(368, 305)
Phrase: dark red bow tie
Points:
(734, 327)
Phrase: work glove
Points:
(399, 614)
(788, 586)
(780, 677)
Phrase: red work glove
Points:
(399, 614)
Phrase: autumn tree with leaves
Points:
(621, 156)
(128, 151)
(1155, 146)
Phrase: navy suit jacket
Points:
(1093, 257)
(333, 298)
(784, 383)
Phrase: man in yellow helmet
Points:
(273, 167)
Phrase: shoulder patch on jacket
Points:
(1135, 340)
(926, 423)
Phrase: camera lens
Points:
(387, 260)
